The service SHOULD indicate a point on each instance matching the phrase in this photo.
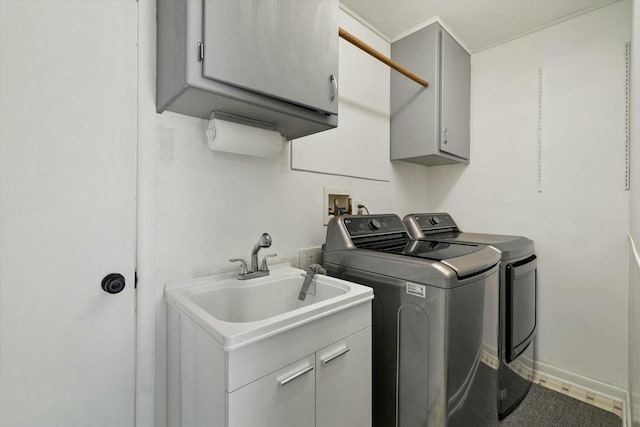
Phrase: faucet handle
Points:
(243, 265)
(264, 266)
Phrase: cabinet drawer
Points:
(283, 398)
(343, 382)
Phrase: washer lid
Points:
(510, 246)
(463, 258)
(434, 250)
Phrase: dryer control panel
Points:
(434, 222)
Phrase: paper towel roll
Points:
(233, 137)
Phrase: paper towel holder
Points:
(240, 135)
(242, 120)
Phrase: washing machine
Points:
(429, 322)
(514, 303)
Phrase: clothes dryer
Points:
(514, 303)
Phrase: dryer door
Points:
(521, 305)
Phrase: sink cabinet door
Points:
(343, 382)
(285, 398)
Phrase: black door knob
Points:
(113, 283)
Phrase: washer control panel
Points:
(373, 224)
(434, 221)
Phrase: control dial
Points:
(375, 225)
(434, 220)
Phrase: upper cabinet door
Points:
(286, 49)
(455, 80)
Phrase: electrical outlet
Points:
(309, 256)
(356, 210)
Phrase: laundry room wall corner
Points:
(148, 293)
(578, 213)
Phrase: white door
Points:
(67, 212)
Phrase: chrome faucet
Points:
(309, 277)
(263, 242)
(249, 273)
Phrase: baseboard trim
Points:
(635, 409)
(600, 388)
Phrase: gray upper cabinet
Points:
(430, 125)
(275, 61)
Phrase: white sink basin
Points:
(239, 312)
(261, 299)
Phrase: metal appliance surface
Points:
(429, 321)
(514, 303)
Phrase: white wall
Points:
(363, 129)
(580, 220)
(634, 215)
(199, 208)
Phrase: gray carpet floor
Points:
(546, 408)
(541, 407)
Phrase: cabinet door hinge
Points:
(135, 280)
(200, 51)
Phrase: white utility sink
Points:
(239, 312)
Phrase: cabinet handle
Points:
(334, 86)
(284, 381)
(334, 356)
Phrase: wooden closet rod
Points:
(380, 57)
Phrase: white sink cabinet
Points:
(308, 366)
